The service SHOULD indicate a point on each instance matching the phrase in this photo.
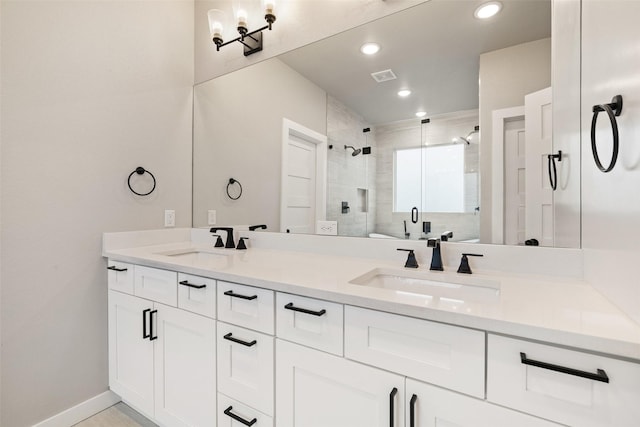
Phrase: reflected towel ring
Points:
(553, 179)
(140, 170)
(234, 181)
(613, 109)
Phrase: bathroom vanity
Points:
(284, 335)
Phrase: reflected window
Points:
(434, 180)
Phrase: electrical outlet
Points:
(327, 227)
(169, 218)
(211, 217)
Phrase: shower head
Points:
(356, 151)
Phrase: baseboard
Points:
(81, 411)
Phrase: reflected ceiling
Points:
(442, 75)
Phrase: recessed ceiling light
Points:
(370, 48)
(421, 114)
(487, 10)
(404, 93)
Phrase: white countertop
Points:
(563, 311)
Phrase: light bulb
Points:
(488, 10)
(421, 114)
(370, 48)
(404, 93)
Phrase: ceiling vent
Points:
(383, 76)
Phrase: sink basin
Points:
(430, 285)
(195, 256)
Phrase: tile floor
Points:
(119, 415)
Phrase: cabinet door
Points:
(185, 376)
(429, 406)
(130, 351)
(245, 366)
(316, 389)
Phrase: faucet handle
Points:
(464, 263)
(241, 244)
(219, 242)
(411, 259)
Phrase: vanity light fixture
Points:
(252, 40)
(370, 48)
(487, 10)
(404, 93)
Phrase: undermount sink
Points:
(193, 255)
(427, 284)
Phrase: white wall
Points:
(298, 23)
(90, 90)
(506, 76)
(611, 201)
(238, 134)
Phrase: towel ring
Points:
(613, 110)
(553, 177)
(234, 181)
(140, 170)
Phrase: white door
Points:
(539, 195)
(514, 182)
(430, 406)
(316, 389)
(301, 186)
(185, 368)
(303, 192)
(131, 350)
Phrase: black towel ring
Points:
(613, 110)
(140, 170)
(551, 159)
(234, 181)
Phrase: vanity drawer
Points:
(197, 294)
(444, 355)
(229, 408)
(311, 322)
(568, 398)
(246, 306)
(245, 366)
(157, 285)
(120, 276)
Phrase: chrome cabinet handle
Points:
(613, 110)
(601, 375)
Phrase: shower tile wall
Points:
(350, 178)
(407, 134)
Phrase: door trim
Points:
(291, 128)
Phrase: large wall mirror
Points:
(322, 140)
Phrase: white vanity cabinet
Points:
(567, 386)
(162, 359)
(430, 406)
(314, 388)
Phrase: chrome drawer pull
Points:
(230, 337)
(234, 295)
(191, 285)
(114, 268)
(228, 413)
(290, 306)
(599, 376)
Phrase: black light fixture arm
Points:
(242, 37)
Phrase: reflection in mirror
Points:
(381, 161)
